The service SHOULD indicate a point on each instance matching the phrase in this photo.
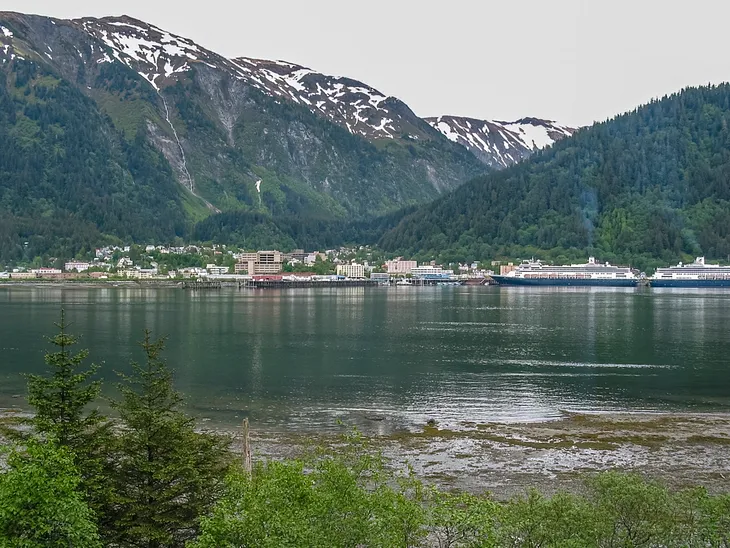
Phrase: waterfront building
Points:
(216, 270)
(430, 271)
(259, 263)
(380, 277)
(22, 275)
(399, 266)
(46, 271)
(77, 266)
(351, 270)
(140, 273)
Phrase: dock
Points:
(202, 284)
(290, 284)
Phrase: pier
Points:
(288, 284)
(202, 284)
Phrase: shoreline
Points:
(681, 449)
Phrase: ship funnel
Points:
(700, 260)
(591, 260)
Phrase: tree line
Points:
(650, 186)
(148, 478)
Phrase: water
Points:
(394, 357)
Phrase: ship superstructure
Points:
(592, 273)
(696, 274)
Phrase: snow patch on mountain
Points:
(500, 144)
(6, 32)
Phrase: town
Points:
(223, 263)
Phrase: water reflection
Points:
(302, 358)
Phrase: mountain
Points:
(501, 144)
(126, 131)
(648, 187)
(325, 145)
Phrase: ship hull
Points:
(507, 280)
(689, 283)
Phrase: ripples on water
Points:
(391, 358)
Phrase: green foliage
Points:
(652, 183)
(63, 402)
(40, 504)
(344, 499)
(167, 475)
(60, 400)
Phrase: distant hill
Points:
(650, 184)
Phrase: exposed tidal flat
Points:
(527, 387)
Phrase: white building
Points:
(399, 266)
(77, 266)
(46, 271)
(430, 270)
(351, 270)
(216, 270)
(140, 273)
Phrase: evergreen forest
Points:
(646, 188)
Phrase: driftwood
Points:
(246, 448)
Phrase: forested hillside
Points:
(68, 178)
(650, 186)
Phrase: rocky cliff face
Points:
(320, 146)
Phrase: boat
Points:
(403, 282)
(696, 274)
(592, 273)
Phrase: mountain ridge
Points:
(240, 134)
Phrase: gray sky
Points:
(574, 61)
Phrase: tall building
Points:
(351, 270)
(399, 266)
(261, 262)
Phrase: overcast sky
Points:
(574, 61)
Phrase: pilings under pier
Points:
(284, 284)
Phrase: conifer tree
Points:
(168, 475)
(62, 401)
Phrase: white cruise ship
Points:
(591, 273)
(696, 274)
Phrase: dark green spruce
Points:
(167, 475)
(64, 403)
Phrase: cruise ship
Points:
(696, 274)
(591, 273)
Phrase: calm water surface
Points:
(301, 359)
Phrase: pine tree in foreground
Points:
(62, 401)
(167, 475)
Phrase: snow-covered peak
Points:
(155, 53)
(363, 110)
(500, 144)
(160, 57)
